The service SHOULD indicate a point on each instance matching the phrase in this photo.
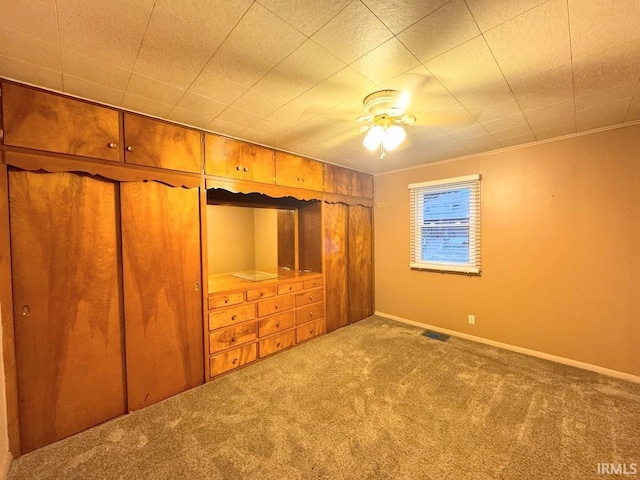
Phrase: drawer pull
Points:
(234, 338)
(234, 317)
(245, 169)
(311, 314)
(112, 145)
(276, 306)
(311, 331)
(290, 288)
(277, 344)
(262, 294)
(129, 148)
(226, 300)
(277, 324)
(235, 360)
(311, 297)
(238, 168)
(26, 311)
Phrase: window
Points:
(445, 224)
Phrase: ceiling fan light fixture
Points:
(393, 136)
(374, 137)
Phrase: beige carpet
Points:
(375, 400)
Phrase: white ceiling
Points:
(291, 74)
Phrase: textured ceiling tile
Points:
(481, 143)
(154, 89)
(562, 112)
(601, 115)
(311, 63)
(352, 33)
(261, 105)
(499, 111)
(610, 95)
(400, 14)
(555, 130)
(145, 105)
(447, 117)
(88, 68)
(280, 86)
(306, 16)
(512, 132)
(125, 18)
(206, 107)
(216, 87)
(342, 86)
(441, 31)
(498, 124)
(91, 90)
(475, 130)
(226, 128)
(385, 62)
(269, 127)
(467, 69)
(633, 113)
(489, 13)
(255, 136)
(27, 72)
(32, 17)
(238, 116)
(258, 43)
(98, 40)
(182, 37)
(27, 48)
(517, 140)
(537, 40)
(425, 91)
(187, 117)
(496, 94)
(597, 24)
(544, 87)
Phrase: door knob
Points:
(26, 311)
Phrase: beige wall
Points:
(231, 228)
(560, 250)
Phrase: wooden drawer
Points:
(310, 312)
(226, 299)
(310, 296)
(233, 336)
(231, 316)
(289, 287)
(276, 305)
(276, 323)
(316, 282)
(263, 292)
(276, 343)
(232, 359)
(310, 330)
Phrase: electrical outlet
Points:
(472, 319)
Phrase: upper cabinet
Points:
(344, 181)
(51, 122)
(154, 143)
(226, 157)
(299, 172)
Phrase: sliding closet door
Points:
(69, 345)
(360, 262)
(335, 265)
(162, 297)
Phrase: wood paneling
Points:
(361, 184)
(337, 179)
(287, 238)
(360, 261)
(163, 307)
(309, 238)
(154, 143)
(66, 291)
(335, 265)
(51, 122)
(298, 172)
(231, 158)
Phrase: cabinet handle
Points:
(112, 145)
(262, 294)
(233, 317)
(276, 306)
(235, 360)
(311, 331)
(277, 344)
(311, 297)
(226, 300)
(234, 338)
(245, 169)
(290, 288)
(277, 324)
(238, 168)
(129, 148)
(311, 314)
(26, 311)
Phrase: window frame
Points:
(472, 182)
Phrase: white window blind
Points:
(445, 224)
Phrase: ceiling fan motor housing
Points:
(383, 102)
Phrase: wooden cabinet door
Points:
(50, 122)
(360, 263)
(299, 172)
(153, 143)
(337, 179)
(69, 345)
(163, 306)
(361, 184)
(335, 265)
(226, 157)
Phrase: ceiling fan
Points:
(387, 118)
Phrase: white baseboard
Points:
(6, 464)
(533, 353)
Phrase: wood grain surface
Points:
(238, 160)
(299, 172)
(70, 361)
(360, 260)
(335, 265)
(163, 309)
(51, 122)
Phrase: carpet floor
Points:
(375, 400)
